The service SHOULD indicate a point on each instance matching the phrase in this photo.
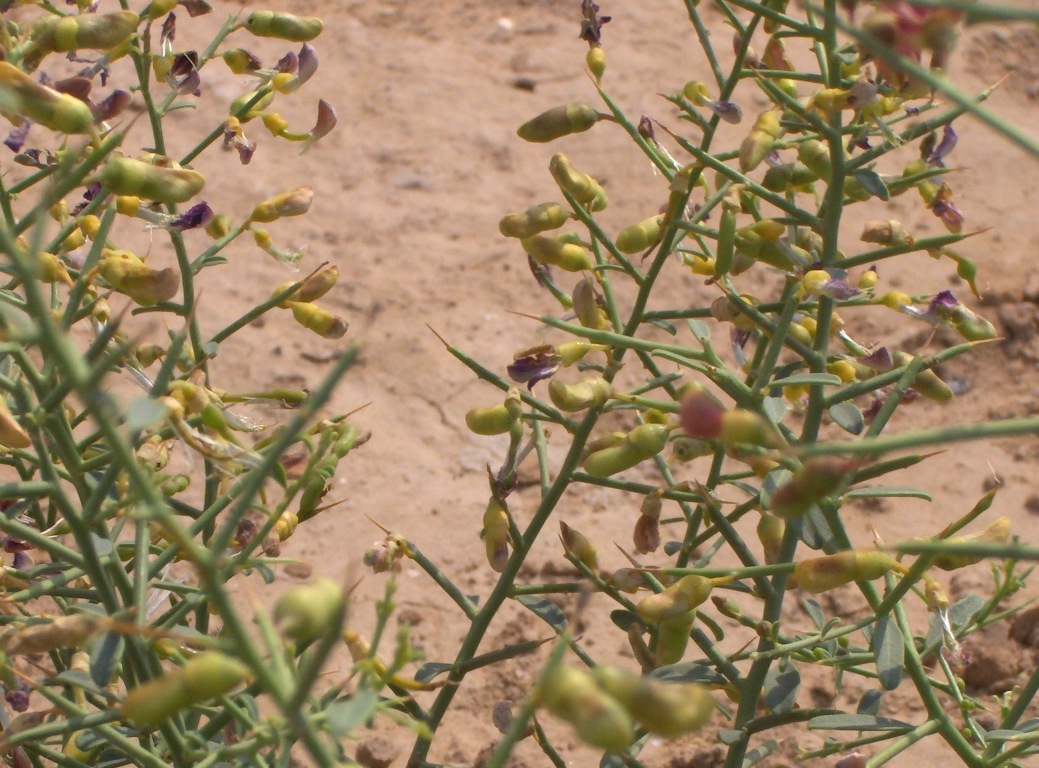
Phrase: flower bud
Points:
(701, 415)
(680, 598)
(534, 220)
(558, 122)
(260, 100)
(577, 545)
(685, 449)
(495, 535)
(283, 26)
(310, 611)
(293, 203)
(12, 435)
(595, 60)
(126, 176)
(639, 237)
(820, 574)
(599, 719)
(816, 479)
(587, 393)
(318, 319)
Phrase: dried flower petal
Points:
(533, 365)
(879, 359)
(288, 63)
(111, 105)
(945, 146)
(16, 138)
(326, 121)
(169, 31)
(198, 215)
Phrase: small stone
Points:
(376, 753)
(1032, 503)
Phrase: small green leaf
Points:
(774, 408)
(781, 685)
(664, 326)
(872, 183)
(102, 546)
(857, 723)
(807, 379)
(889, 491)
(730, 737)
(347, 715)
(701, 330)
(759, 753)
(105, 657)
(624, 619)
(869, 704)
(889, 650)
(431, 669)
(688, 672)
(814, 611)
(545, 610)
(142, 412)
(848, 417)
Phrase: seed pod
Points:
(283, 26)
(701, 414)
(971, 326)
(758, 144)
(50, 269)
(310, 611)
(816, 479)
(726, 242)
(997, 532)
(587, 393)
(495, 420)
(673, 638)
(95, 31)
(820, 574)
(664, 708)
(643, 442)
(318, 319)
(770, 531)
(927, 382)
(599, 719)
(205, 676)
(887, 232)
(21, 95)
(557, 252)
(293, 203)
(577, 544)
(495, 535)
(558, 122)
(588, 307)
(126, 176)
(146, 286)
(680, 598)
(796, 176)
(743, 427)
(595, 60)
(639, 237)
(816, 157)
(534, 220)
(583, 187)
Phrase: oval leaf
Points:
(545, 610)
(857, 723)
(893, 492)
(688, 672)
(431, 669)
(781, 685)
(889, 650)
(872, 183)
(848, 417)
(105, 657)
(774, 408)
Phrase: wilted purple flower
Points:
(937, 155)
(234, 137)
(941, 303)
(21, 561)
(111, 105)
(738, 339)
(18, 698)
(591, 24)
(16, 138)
(169, 31)
(11, 544)
(821, 282)
(534, 365)
(184, 76)
(729, 111)
(326, 121)
(944, 208)
(879, 359)
(198, 215)
(288, 63)
(305, 65)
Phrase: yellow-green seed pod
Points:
(95, 31)
(283, 26)
(239, 104)
(927, 382)
(971, 326)
(558, 122)
(11, 433)
(886, 232)
(997, 532)
(678, 599)
(146, 286)
(639, 237)
(318, 319)
(673, 638)
(818, 478)
(557, 252)
(318, 284)
(495, 535)
(664, 708)
(796, 176)
(815, 155)
(684, 449)
(599, 719)
(588, 393)
(770, 531)
(583, 187)
(726, 242)
(293, 203)
(589, 311)
(643, 442)
(577, 544)
(21, 95)
(758, 144)
(742, 427)
(127, 176)
(595, 60)
(820, 574)
(310, 611)
(495, 420)
(534, 221)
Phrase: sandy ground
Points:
(409, 191)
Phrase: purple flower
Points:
(18, 698)
(288, 63)
(169, 31)
(111, 105)
(879, 359)
(937, 155)
(738, 339)
(198, 215)
(534, 365)
(729, 111)
(16, 138)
